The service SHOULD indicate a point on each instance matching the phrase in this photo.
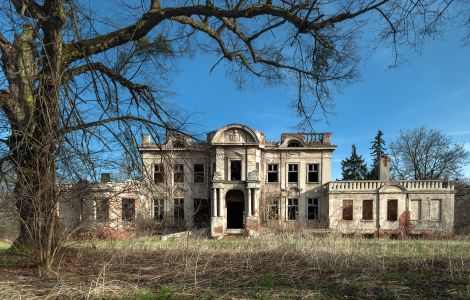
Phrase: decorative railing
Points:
(376, 184)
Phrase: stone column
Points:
(214, 202)
(255, 202)
(249, 203)
(220, 205)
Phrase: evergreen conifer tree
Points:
(378, 150)
(354, 167)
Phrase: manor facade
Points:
(238, 182)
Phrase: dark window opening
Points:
(273, 172)
(178, 144)
(199, 173)
(392, 210)
(102, 210)
(128, 209)
(347, 210)
(158, 173)
(312, 175)
(202, 216)
(312, 209)
(158, 209)
(235, 170)
(293, 173)
(367, 212)
(178, 173)
(273, 209)
(292, 208)
(179, 210)
(294, 144)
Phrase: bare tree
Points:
(427, 154)
(79, 76)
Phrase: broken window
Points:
(293, 173)
(273, 172)
(436, 210)
(179, 210)
(294, 144)
(158, 209)
(273, 209)
(392, 210)
(312, 209)
(235, 170)
(102, 210)
(415, 209)
(199, 173)
(158, 173)
(292, 208)
(128, 209)
(347, 210)
(312, 174)
(367, 212)
(178, 173)
(201, 212)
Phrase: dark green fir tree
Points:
(354, 167)
(378, 150)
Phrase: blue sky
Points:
(430, 89)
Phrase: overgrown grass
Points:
(4, 245)
(278, 267)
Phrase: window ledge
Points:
(367, 221)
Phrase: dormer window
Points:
(178, 144)
(293, 144)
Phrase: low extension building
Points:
(237, 182)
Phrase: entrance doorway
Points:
(235, 209)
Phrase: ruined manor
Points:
(237, 182)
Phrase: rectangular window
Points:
(158, 173)
(178, 173)
(273, 172)
(293, 173)
(235, 170)
(392, 210)
(367, 210)
(415, 209)
(128, 209)
(199, 173)
(292, 208)
(312, 173)
(436, 210)
(102, 210)
(347, 210)
(158, 209)
(273, 209)
(312, 209)
(179, 210)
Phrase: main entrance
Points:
(235, 208)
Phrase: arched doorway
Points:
(235, 208)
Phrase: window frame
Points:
(98, 212)
(419, 213)
(273, 209)
(272, 172)
(199, 175)
(232, 170)
(390, 217)
(346, 208)
(296, 172)
(178, 174)
(313, 172)
(178, 215)
(124, 211)
(364, 212)
(439, 210)
(161, 173)
(161, 209)
(314, 207)
(295, 207)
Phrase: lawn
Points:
(268, 267)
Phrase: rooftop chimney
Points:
(105, 177)
(384, 168)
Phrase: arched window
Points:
(294, 144)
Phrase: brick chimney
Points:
(384, 168)
(145, 138)
(105, 177)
